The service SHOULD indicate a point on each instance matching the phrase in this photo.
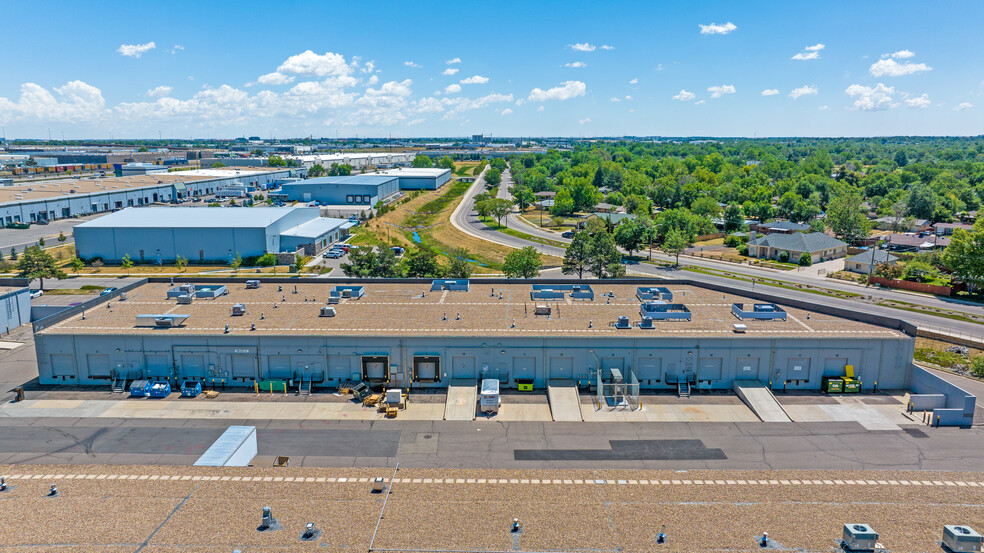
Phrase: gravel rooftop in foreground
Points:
(401, 309)
(215, 510)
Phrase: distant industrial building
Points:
(131, 169)
(204, 234)
(363, 190)
(59, 199)
(412, 178)
(357, 160)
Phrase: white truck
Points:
(489, 399)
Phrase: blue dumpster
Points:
(159, 389)
(191, 388)
(140, 388)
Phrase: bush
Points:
(784, 256)
(743, 249)
(734, 241)
(805, 259)
(977, 366)
(266, 260)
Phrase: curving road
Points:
(465, 219)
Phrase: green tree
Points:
(458, 265)
(605, 261)
(367, 263)
(805, 259)
(77, 264)
(236, 263)
(298, 263)
(922, 201)
(38, 264)
(13, 254)
(523, 197)
(577, 256)
(500, 208)
(846, 217)
(631, 234)
(675, 243)
(336, 170)
(41, 241)
(734, 219)
(522, 263)
(965, 255)
(705, 206)
(180, 263)
(563, 203)
(257, 152)
(901, 159)
(316, 170)
(446, 162)
(422, 161)
(421, 263)
(61, 237)
(217, 165)
(126, 263)
(493, 177)
(276, 161)
(142, 149)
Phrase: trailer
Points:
(489, 399)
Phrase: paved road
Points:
(21, 238)
(490, 444)
(467, 221)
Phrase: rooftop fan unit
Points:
(346, 293)
(164, 322)
(859, 537)
(622, 322)
(238, 309)
(252, 284)
(958, 538)
(646, 322)
(185, 299)
(327, 311)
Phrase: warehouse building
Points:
(363, 190)
(204, 234)
(15, 304)
(59, 199)
(412, 178)
(423, 334)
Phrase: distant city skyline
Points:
(224, 70)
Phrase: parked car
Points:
(36, 293)
(568, 234)
(333, 254)
(343, 247)
(398, 250)
(107, 291)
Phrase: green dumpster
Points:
(833, 384)
(271, 386)
(851, 385)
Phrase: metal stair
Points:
(304, 388)
(683, 389)
(118, 386)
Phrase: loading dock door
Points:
(561, 368)
(280, 367)
(192, 365)
(426, 369)
(747, 368)
(463, 367)
(98, 365)
(62, 364)
(375, 369)
(798, 373)
(244, 366)
(649, 370)
(834, 366)
(524, 368)
(339, 368)
(158, 365)
(710, 369)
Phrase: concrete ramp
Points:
(462, 401)
(760, 400)
(565, 405)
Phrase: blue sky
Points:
(226, 69)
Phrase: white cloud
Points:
(452, 88)
(718, 91)
(606, 47)
(75, 102)
(627, 98)
(616, 99)
(412, 64)
(685, 95)
(136, 50)
(429, 105)
(919, 103)
(373, 80)
(475, 79)
(585, 120)
(770, 92)
(453, 61)
(659, 67)
(634, 81)
(159, 91)
(570, 89)
(715, 29)
(804, 90)
(583, 47)
(576, 64)
(507, 111)
(823, 108)
(320, 65)
(539, 108)
(459, 105)
(962, 106)
(816, 47)
(699, 102)
(450, 71)
(177, 48)
(879, 97)
(891, 68)
(802, 56)
(902, 54)
(275, 78)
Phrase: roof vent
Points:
(238, 309)
(740, 328)
(541, 309)
(185, 299)
(252, 284)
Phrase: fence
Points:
(953, 336)
(914, 286)
(618, 395)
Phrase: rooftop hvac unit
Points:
(617, 376)
(333, 300)
(164, 322)
(859, 537)
(185, 299)
(961, 538)
(327, 311)
(740, 328)
(251, 284)
(646, 322)
(346, 293)
(541, 310)
(238, 309)
(622, 322)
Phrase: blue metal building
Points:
(351, 190)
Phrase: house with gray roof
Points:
(820, 246)
(865, 262)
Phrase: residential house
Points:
(820, 246)
(912, 241)
(946, 229)
(779, 227)
(918, 225)
(865, 262)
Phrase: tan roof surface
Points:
(8, 289)
(61, 187)
(196, 509)
(399, 309)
